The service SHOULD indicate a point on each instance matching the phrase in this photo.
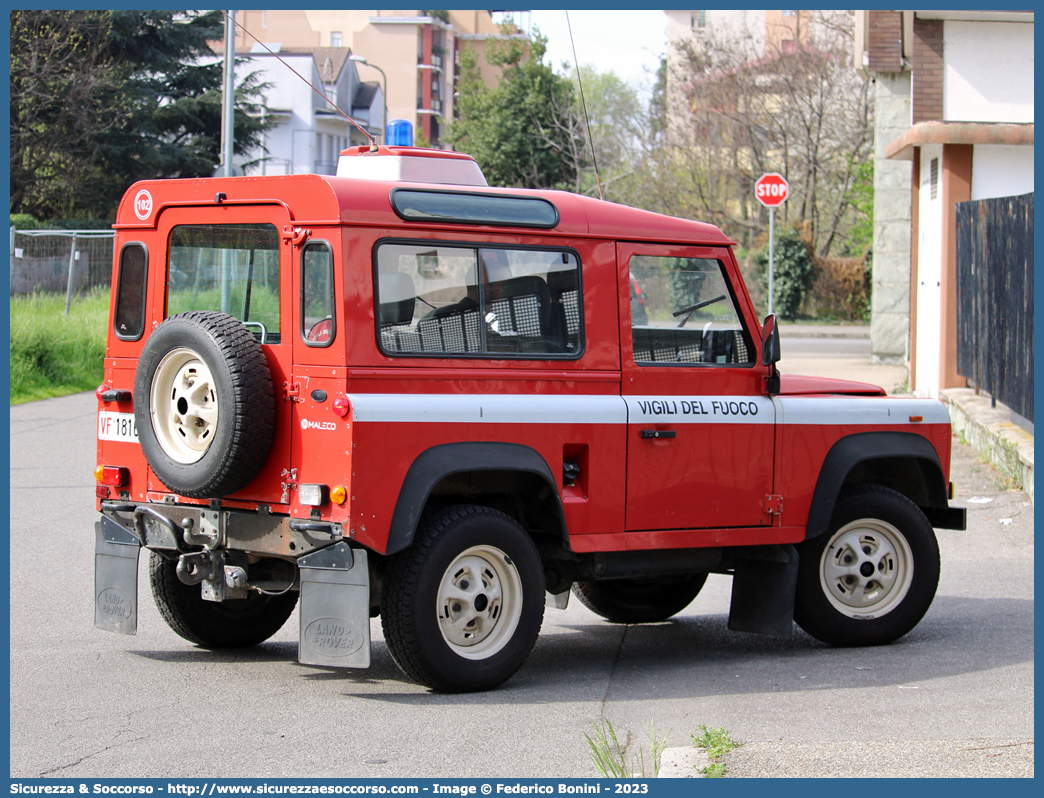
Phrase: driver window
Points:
(317, 294)
(682, 313)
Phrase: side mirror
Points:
(770, 342)
(770, 354)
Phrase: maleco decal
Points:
(323, 425)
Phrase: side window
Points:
(317, 294)
(129, 319)
(478, 301)
(683, 312)
(231, 268)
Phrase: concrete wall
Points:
(890, 298)
(929, 273)
(988, 73)
(1001, 171)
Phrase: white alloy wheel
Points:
(479, 602)
(184, 406)
(866, 569)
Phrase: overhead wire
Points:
(370, 136)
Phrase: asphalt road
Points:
(955, 697)
(841, 347)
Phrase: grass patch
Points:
(53, 354)
(616, 760)
(717, 743)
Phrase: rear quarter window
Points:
(129, 318)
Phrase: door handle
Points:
(658, 433)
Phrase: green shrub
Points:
(53, 354)
(24, 221)
(793, 274)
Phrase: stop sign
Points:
(771, 189)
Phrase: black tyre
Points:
(204, 404)
(644, 600)
(237, 623)
(872, 576)
(462, 608)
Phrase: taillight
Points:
(115, 476)
(341, 406)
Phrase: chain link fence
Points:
(60, 261)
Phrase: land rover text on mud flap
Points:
(411, 395)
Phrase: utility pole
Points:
(228, 93)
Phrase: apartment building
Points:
(412, 55)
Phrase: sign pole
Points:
(772, 240)
(771, 190)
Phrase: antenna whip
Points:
(583, 102)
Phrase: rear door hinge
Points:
(289, 482)
(774, 504)
(295, 235)
(292, 392)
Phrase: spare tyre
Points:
(204, 404)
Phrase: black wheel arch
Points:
(903, 461)
(473, 469)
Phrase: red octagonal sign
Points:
(771, 189)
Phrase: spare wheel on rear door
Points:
(204, 404)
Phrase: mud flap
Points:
(115, 578)
(763, 592)
(558, 601)
(335, 608)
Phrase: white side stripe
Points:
(489, 408)
(600, 409)
(874, 410)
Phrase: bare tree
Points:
(738, 111)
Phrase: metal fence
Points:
(995, 298)
(60, 261)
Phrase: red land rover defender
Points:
(400, 392)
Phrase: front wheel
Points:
(872, 576)
(461, 609)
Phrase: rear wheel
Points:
(872, 576)
(640, 600)
(461, 608)
(236, 623)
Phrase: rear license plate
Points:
(117, 427)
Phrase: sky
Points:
(628, 43)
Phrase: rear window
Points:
(478, 301)
(230, 268)
(463, 208)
